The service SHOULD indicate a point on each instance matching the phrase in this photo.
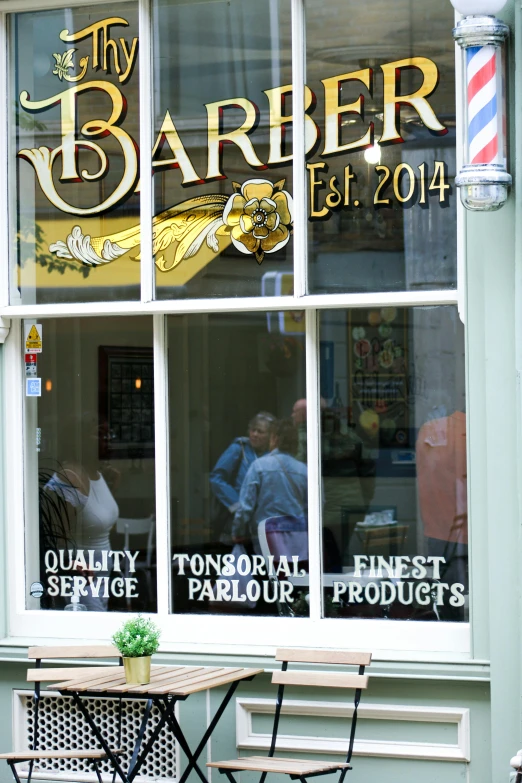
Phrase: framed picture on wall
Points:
(125, 402)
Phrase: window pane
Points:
(382, 217)
(222, 91)
(74, 138)
(395, 524)
(90, 523)
(238, 469)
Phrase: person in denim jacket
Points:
(230, 470)
(275, 485)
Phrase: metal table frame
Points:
(165, 704)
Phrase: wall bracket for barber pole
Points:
(483, 181)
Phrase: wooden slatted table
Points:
(167, 686)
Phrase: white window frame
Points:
(205, 633)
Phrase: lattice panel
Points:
(63, 727)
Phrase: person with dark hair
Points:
(230, 470)
(275, 485)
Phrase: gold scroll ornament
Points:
(257, 218)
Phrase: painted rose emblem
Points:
(260, 215)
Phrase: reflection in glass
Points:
(239, 531)
(74, 119)
(393, 446)
(381, 182)
(222, 153)
(90, 478)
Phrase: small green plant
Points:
(137, 637)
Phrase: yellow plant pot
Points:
(137, 670)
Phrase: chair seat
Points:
(40, 755)
(271, 764)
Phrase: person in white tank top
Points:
(92, 512)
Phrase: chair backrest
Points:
(40, 654)
(284, 535)
(356, 681)
(74, 651)
(134, 527)
(128, 526)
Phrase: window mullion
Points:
(298, 142)
(13, 423)
(161, 419)
(313, 427)
(146, 114)
(4, 174)
(461, 212)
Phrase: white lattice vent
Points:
(62, 727)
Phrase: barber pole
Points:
(483, 180)
(482, 104)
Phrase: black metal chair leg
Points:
(99, 736)
(343, 775)
(97, 770)
(150, 743)
(191, 757)
(208, 733)
(141, 734)
(120, 715)
(14, 771)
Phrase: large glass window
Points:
(239, 517)
(90, 493)
(382, 212)
(393, 447)
(75, 132)
(223, 209)
(313, 461)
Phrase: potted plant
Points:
(137, 640)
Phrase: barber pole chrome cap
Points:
(483, 180)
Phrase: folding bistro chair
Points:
(300, 769)
(39, 675)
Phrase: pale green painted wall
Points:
(434, 693)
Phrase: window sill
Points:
(385, 665)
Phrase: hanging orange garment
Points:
(441, 478)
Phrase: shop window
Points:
(222, 161)
(382, 212)
(239, 498)
(90, 470)
(313, 460)
(74, 117)
(378, 134)
(393, 448)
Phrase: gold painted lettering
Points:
(42, 159)
(348, 177)
(393, 99)
(180, 160)
(279, 121)
(217, 138)
(130, 58)
(108, 45)
(334, 111)
(316, 184)
(335, 197)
